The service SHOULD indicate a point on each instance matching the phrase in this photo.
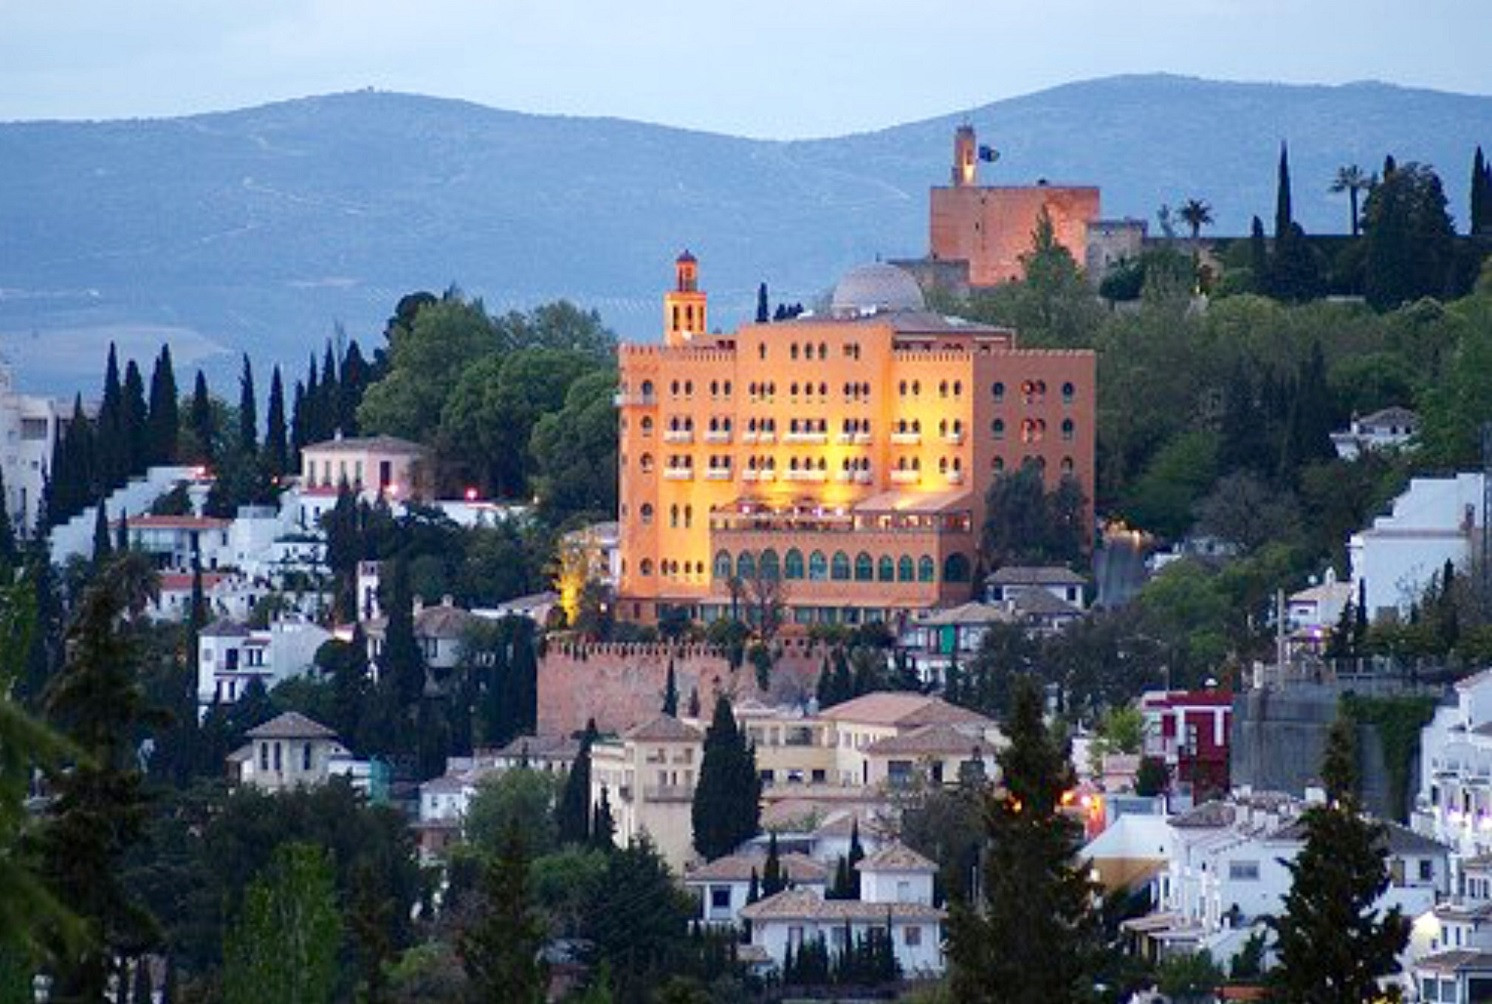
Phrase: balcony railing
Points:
(905, 477)
(805, 475)
(717, 474)
(749, 475)
(646, 400)
(906, 438)
(748, 437)
(954, 438)
(862, 439)
(955, 477)
(863, 477)
(717, 436)
(678, 436)
(678, 474)
(806, 437)
(844, 477)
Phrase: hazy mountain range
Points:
(263, 229)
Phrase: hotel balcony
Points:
(678, 436)
(748, 437)
(678, 474)
(717, 474)
(954, 438)
(717, 436)
(955, 477)
(905, 477)
(806, 437)
(863, 477)
(845, 437)
(646, 400)
(805, 475)
(844, 477)
(906, 438)
(862, 439)
(769, 436)
(749, 475)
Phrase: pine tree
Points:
(1333, 944)
(500, 948)
(99, 802)
(1038, 901)
(671, 693)
(136, 419)
(204, 422)
(276, 447)
(248, 410)
(727, 799)
(573, 814)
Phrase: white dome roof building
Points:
(875, 289)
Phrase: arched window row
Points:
(817, 566)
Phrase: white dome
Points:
(875, 288)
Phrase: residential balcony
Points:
(717, 436)
(905, 477)
(678, 436)
(906, 438)
(678, 474)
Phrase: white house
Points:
(1390, 428)
(1454, 803)
(1452, 944)
(724, 884)
(28, 427)
(230, 656)
(1434, 521)
(287, 752)
(173, 540)
(647, 776)
(1006, 584)
(896, 891)
(370, 465)
(952, 635)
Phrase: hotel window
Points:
(673, 517)
(818, 567)
(997, 428)
(1067, 465)
(771, 571)
(864, 567)
(823, 350)
(746, 566)
(646, 463)
(997, 464)
(792, 351)
(792, 564)
(714, 388)
(673, 389)
(1033, 430)
(958, 388)
(905, 570)
(997, 391)
(722, 565)
(1067, 393)
(943, 388)
(926, 569)
(647, 566)
(823, 388)
(901, 389)
(688, 517)
(916, 388)
(840, 567)
(1068, 429)
(886, 569)
(761, 350)
(646, 512)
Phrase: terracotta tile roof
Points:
(799, 868)
(663, 729)
(1035, 575)
(803, 904)
(968, 613)
(891, 707)
(180, 582)
(897, 857)
(443, 621)
(930, 739)
(1456, 960)
(224, 628)
(148, 522)
(547, 746)
(364, 444)
(291, 725)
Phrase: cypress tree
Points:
(110, 443)
(500, 949)
(204, 423)
(1333, 944)
(315, 422)
(603, 825)
(573, 814)
(1038, 901)
(354, 380)
(9, 552)
(1259, 256)
(136, 419)
(671, 693)
(330, 393)
(773, 880)
(276, 448)
(101, 547)
(727, 799)
(165, 410)
(857, 855)
(298, 439)
(122, 533)
(248, 410)
(1283, 216)
(1479, 207)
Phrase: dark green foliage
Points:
(639, 921)
(727, 800)
(1152, 778)
(573, 814)
(102, 547)
(136, 415)
(1398, 722)
(276, 444)
(500, 946)
(1284, 217)
(763, 312)
(248, 410)
(1409, 238)
(9, 552)
(165, 417)
(203, 421)
(99, 806)
(774, 880)
(603, 824)
(1027, 524)
(1037, 897)
(671, 693)
(1332, 943)
(111, 454)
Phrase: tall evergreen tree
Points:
(298, 429)
(1410, 240)
(101, 545)
(500, 948)
(276, 446)
(98, 811)
(204, 422)
(671, 693)
(401, 667)
(1284, 216)
(727, 799)
(763, 311)
(1481, 210)
(354, 380)
(136, 419)
(122, 533)
(165, 410)
(284, 948)
(330, 393)
(1038, 901)
(9, 553)
(573, 814)
(773, 878)
(1332, 941)
(1259, 255)
(248, 410)
(603, 823)
(110, 441)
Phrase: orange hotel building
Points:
(847, 455)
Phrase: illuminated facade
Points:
(843, 458)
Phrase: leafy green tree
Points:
(99, 805)
(1189, 978)
(284, 947)
(500, 947)
(519, 799)
(1038, 901)
(1333, 942)
(727, 799)
(574, 451)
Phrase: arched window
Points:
(864, 567)
(1067, 465)
(1068, 428)
(646, 463)
(886, 569)
(1067, 392)
(839, 569)
(997, 391)
(942, 388)
(647, 566)
(956, 568)
(997, 428)
(997, 465)
(746, 566)
(818, 567)
(926, 568)
(823, 350)
(905, 570)
(771, 569)
(647, 389)
(647, 425)
(792, 351)
(722, 565)
(689, 514)
(792, 564)
(673, 516)
(646, 511)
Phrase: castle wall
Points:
(992, 227)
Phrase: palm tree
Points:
(1351, 179)
(1196, 214)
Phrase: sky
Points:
(776, 69)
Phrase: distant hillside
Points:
(261, 229)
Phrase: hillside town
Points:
(980, 608)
